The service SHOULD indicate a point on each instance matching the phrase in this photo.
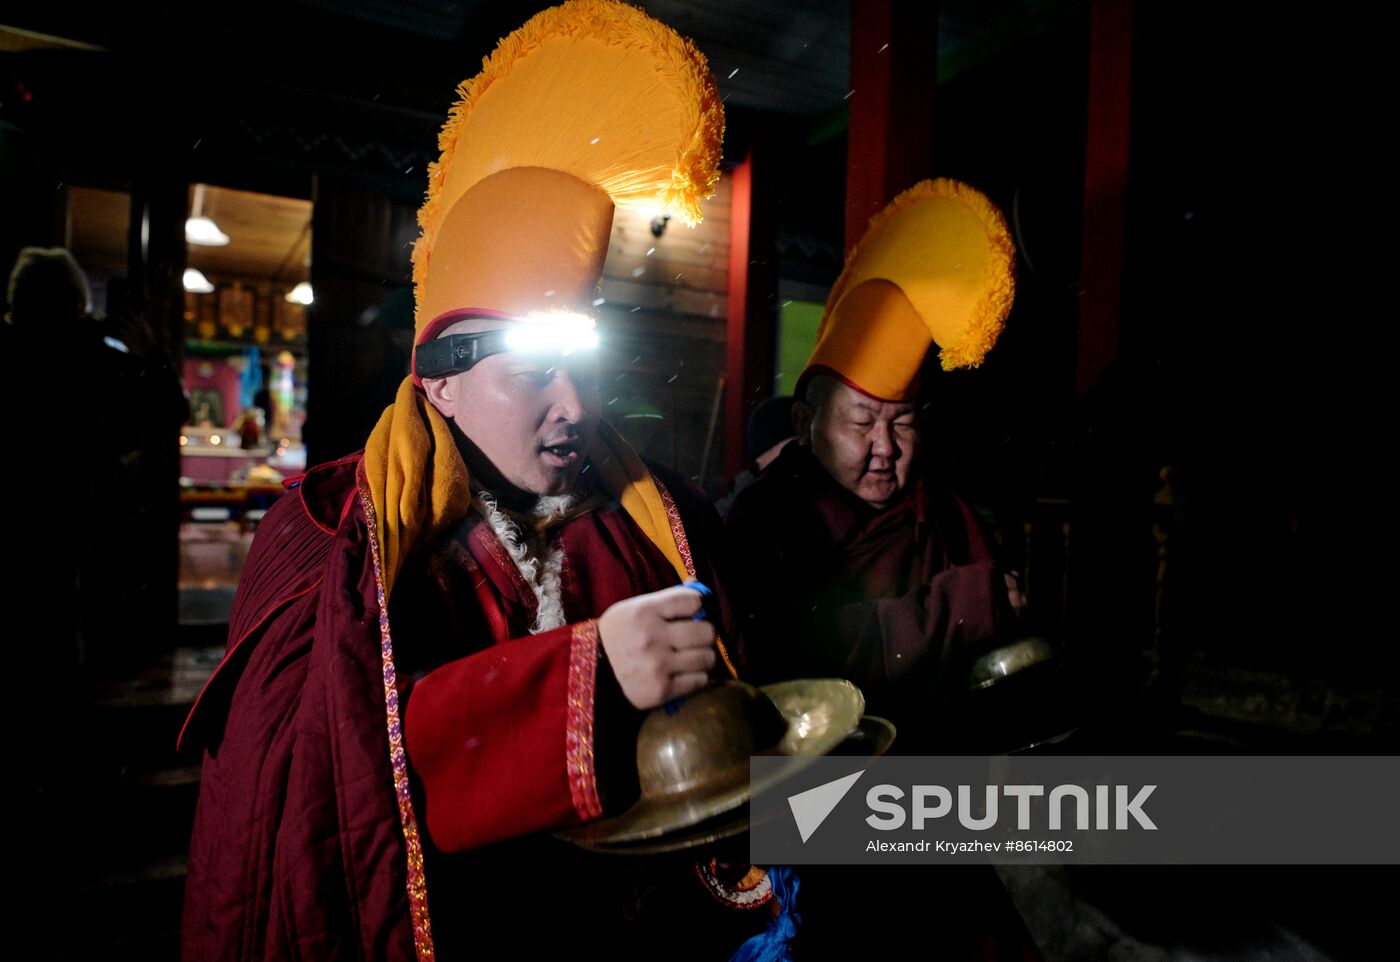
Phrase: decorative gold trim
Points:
(677, 529)
(578, 725)
(417, 881)
(683, 546)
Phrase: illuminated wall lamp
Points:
(200, 230)
(196, 282)
(301, 294)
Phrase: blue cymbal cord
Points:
(774, 944)
(706, 596)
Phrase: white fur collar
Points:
(541, 574)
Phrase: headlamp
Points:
(554, 333)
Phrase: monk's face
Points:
(531, 418)
(865, 444)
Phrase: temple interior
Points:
(1177, 440)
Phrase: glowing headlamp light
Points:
(555, 333)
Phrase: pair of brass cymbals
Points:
(693, 759)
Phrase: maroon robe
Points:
(316, 837)
(897, 600)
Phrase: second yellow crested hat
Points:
(589, 106)
(936, 266)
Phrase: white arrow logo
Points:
(810, 808)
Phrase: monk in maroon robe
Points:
(441, 647)
(852, 563)
(298, 849)
(868, 571)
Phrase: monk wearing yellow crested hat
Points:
(881, 577)
(442, 646)
(853, 563)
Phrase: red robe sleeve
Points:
(522, 733)
(502, 740)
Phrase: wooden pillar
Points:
(752, 308)
(156, 269)
(156, 252)
(1105, 188)
(1115, 568)
(360, 327)
(894, 68)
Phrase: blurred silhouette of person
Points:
(47, 293)
(769, 430)
(116, 397)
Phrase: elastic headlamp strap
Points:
(456, 353)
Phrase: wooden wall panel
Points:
(663, 334)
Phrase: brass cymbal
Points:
(693, 754)
(717, 829)
(1020, 655)
(872, 737)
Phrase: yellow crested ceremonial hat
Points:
(590, 106)
(936, 266)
